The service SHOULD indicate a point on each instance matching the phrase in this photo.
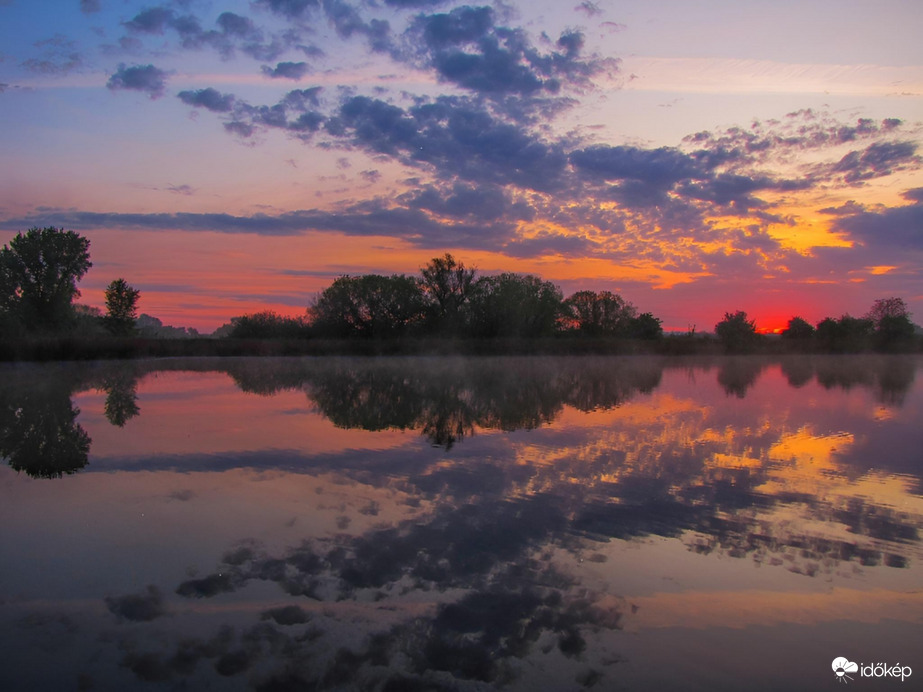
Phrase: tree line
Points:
(40, 269)
(448, 299)
(886, 326)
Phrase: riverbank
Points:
(71, 348)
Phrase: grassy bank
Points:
(64, 348)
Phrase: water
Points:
(448, 523)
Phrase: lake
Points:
(448, 523)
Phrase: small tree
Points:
(887, 307)
(121, 307)
(39, 271)
(646, 326)
(267, 325)
(798, 329)
(891, 321)
(737, 333)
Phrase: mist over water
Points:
(459, 523)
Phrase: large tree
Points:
(515, 305)
(39, 271)
(447, 286)
(603, 313)
(370, 305)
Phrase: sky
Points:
(231, 156)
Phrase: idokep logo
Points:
(842, 667)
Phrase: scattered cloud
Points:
(287, 70)
(146, 78)
(58, 55)
(590, 9)
(208, 98)
(878, 159)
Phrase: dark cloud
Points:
(287, 615)
(209, 586)
(544, 243)
(456, 137)
(234, 32)
(302, 99)
(293, 113)
(406, 4)
(376, 217)
(762, 142)
(237, 25)
(146, 78)
(878, 159)
(730, 189)
(143, 607)
(286, 70)
(286, 224)
(152, 20)
(208, 98)
(89, 6)
(347, 22)
(466, 47)
(289, 8)
(848, 209)
(660, 168)
(483, 202)
(894, 227)
(239, 128)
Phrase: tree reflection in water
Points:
(472, 587)
(39, 433)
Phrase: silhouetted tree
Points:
(447, 287)
(603, 313)
(369, 305)
(515, 305)
(798, 328)
(887, 307)
(267, 325)
(845, 335)
(39, 271)
(892, 331)
(891, 322)
(121, 307)
(737, 333)
(645, 326)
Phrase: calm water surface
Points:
(449, 523)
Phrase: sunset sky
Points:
(228, 156)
